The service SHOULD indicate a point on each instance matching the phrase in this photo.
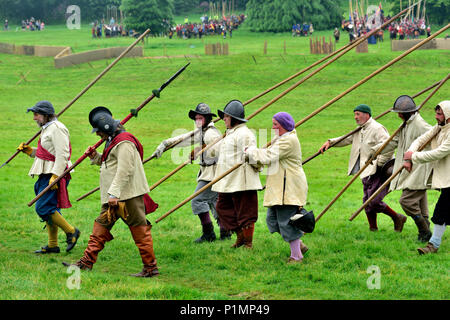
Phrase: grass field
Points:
(340, 251)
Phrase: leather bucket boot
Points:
(248, 235)
(208, 234)
(143, 239)
(99, 236)
(239, 239)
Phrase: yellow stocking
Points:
(58, 220)
(52, 235)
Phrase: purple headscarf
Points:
(285, 120)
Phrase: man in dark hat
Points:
(371, 133)
(51, 159)
(205, 134)
(414, 185)
(237, 204)
(123, 191)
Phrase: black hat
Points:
(43, 107)
(101, 119)
(234, 109)
(202, 109)
(303, 220)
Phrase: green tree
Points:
(143, 14)
(280, 15)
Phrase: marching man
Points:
(123, 189)
(51, 159)
(439, 157)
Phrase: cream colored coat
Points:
(371, 134)
(417, 179)
(286, 181)
(231, 152)
(438, 156)
(122, 174)
(209, 135)
(55, 139)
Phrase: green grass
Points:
(340, 251)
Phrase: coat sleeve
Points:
(126, 153)
(436, 154)
(279, 150)
(343, 143)
(421, 140)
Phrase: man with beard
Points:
(51, 159)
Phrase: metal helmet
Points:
(101, 119)
(202, 109)
(404, 104)
(234, 109)
(303, 220)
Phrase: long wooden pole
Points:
(369, 161)
(155, 93)
(359, 128)
(386, 183)
(331, 101)
(352, 45)
(84, 90)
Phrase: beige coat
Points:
(417, 179)
(207, 136)
(438, 156)
(372, 133)
(286, 181)
(231, 152)
(122, 174)
(55, 139)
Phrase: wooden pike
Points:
(347, 49)
(399, 170)
(155, 93)
(359, 128)
(84, 90)
(339, 96)
(372, 158)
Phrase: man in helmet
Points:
(123, 192)
(439, 157)
(51, 159)
(286, 186)
(205, 134)
(237, 204)
(413, 185)
(372, 133)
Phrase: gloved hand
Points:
(25, 148)
(161, 148)
(91, 152)
(53, 178)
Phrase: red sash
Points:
(150, 205)
(62, 193)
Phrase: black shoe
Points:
(72, 239)
(225, 234)
(46, 249)
(208, 234)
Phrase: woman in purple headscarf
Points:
(286, 185)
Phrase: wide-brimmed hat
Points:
(202, 109)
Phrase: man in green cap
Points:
(371, 134)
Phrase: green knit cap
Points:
(363, 108)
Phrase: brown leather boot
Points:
(428, 249)
(303, 247)
(239, 239)
(99, 236)
(248, 235)
(143, 239)
(399, 222)
(423, 228)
